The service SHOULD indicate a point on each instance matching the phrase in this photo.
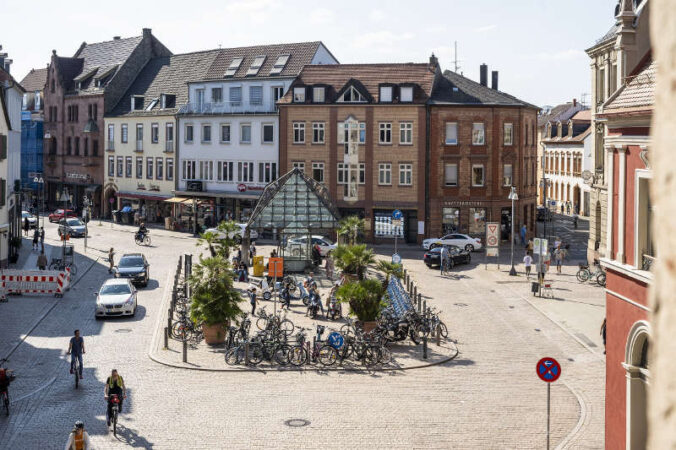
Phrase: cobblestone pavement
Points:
(489, 397)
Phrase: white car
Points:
(325, 245)
(459, 240)
(237, 234)
(32, 220)
(117, 297)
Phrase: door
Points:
(411, 229)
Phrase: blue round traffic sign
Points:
(548, 369)
(397, 214)
(396, 259)
(336, 340)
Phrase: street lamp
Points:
(86, 204)
(513, 196)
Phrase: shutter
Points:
(3, 146)
(3, 192)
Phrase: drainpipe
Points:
(428, 116)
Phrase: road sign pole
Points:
(549, 385)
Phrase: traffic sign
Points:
(397, 214)
(396, 259)
(548, 369)
(336, 340)
(540, 246)
(492, 234)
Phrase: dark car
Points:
(135, 267)
(457, 256)
(72, 226)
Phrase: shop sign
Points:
(467, 203)
(241, 187)
(77, 176)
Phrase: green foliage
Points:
(350, 227)
(390, 270)
(353, 259)
(223, 242)
(365, 298)
(214, 299)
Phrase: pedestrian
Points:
(558, 257)
(561, 208)
(36, 238)
(26, 226)
(443, 259)
(575, 220)
(524, 230)
(273, 253)
(253, 249)
(329, 267)
(42, 261)
(603, 334)
(111, 259)
(527, 262)
(529, 247)
(567, 207)
(42, 239)
(252, 300)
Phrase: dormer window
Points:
(167, 101)
(318, 94)
(351, 95)
(386, 94)
(234, 65)
(299, 95)
(406, 94)
(137, 103)
(255, 65)
(279, 64)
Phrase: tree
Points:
(353, 259)
(390, 269)
(350, 227)
(221, 243)
(215, 301)
(365, 298)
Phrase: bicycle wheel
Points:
(255, 354)
(73, 269)
(114, 423)
(384, 355)
(601, 279)
(146, 241)
(286, 327)
(234, 355)
(442, 329)
(327, 355)
(371, 356)
(76, 369)
(179, 331)
(281, 354)
(582, 275)
(347, 330)
(298, 355)
(262, 323)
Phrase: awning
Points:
(158, 198)
(249, 195)
(177, 200)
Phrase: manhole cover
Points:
(123, 330)
(460, 304)
(297, 423)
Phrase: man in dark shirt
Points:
(76, 348)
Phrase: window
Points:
(136, 103)
(299, 94)
(149, 168)
(277, 93)
(168, 101)
(601, 86)
(68, 145)
(169, 132)
(405, 133)
(189, 169)
(299, 165)
(234, 65)
(170, 169)
(188, 133)
(206, 170)
(478, 137)
(317, 132)
(111, 136)
(318, 171)
(385, 173)
(120, 166)
(299, 133)
(225, 171)
(267, 172)
(139, 167)
(245, 133)
(77, 146)
(362, 173)
(159, 168)
(225, 133)
(38, 98)
(507, 134)
(279, 64)
(451, 133)
(200, 98)
(351, 95)
(155, 133)
(139, 136)
(255, 65)
(268, 133)
(235, 96)
(318, 94)
(245, 172)
(451, 174)
(111, 166)
(386, 94)
(95, 147)
(406, 94)
(507, 175)
(405, 174)
(342, 132)
(85, 147)
(256, 95)
(217, 95)
(124, 134)
(342, 173)
(385, 133)
(477, 175)
(206, 133)
(127, 167)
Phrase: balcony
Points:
(169, 147)
(139, 145)
(225, 108)
(110, 146)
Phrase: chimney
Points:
(147, 32)
(116, 38)
(483, 74)
(574, 102)
(434, 62)
(494, 80)
(8, 62)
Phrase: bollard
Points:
(425, 347)
(438, 335)
(312, 354)
(424, 307)
(166, 338)
(185, 350)
(169, 322)
(415, 291)
(246, 353)
(419, 302)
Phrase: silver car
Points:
(117, 297)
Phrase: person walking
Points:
(443, 259)
(575, 220)
(252, 300)
(111, 260)
(567, 207)
(527, 262)
(42, 239)
(603, 334)
(529, 247)
(562, 208)
(36, 238)
(524, 230)
(558, 257)
(26, 226)
(42, 261)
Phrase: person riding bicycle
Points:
(6, 378)
(76, 348)
(142, 231)
(78, 438)
(114, 385)
(443, 257)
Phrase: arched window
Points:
(638, 377)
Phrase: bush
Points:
(214, 299)
(365, 298)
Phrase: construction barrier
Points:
(35, 282)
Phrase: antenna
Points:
(456, 60)
(583, 98)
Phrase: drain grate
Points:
(461, 304)
(296, 423)
(123, 330)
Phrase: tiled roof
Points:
(580, 132)
(301, 54)
(35, 80)
(638, 92)
(454, 88)
(585, 114)
(107, 53)
(610, 34)
(166, 75)
(367, 76)
(563, 111)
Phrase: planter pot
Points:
(369, 326)
(214, 334)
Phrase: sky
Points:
(536, 45)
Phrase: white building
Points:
(228, 132)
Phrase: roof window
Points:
(279, 64)
(255, 65)
(234, 65)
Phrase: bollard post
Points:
(419, 302)
(313, 347)
(438, 335)
(425, 347)
(166, 338)
(424, 307)
(246, 353)
(185, 350)
(169, 322)
(415, 291)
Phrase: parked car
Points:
(32, 220)
(72, 226)
(237, 234)
(117, 297)
(61, 214)
(135, 267)
(325, 245)
(459, 240)
(458, 256)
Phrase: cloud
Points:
(377, 15)
(560, 56)
(380, 39)
(485, 28)
(436, 29)
(321, 16)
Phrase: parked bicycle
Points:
(585, 273)
(58, 264)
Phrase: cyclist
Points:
(142, 231)
(111, 260)
(78, 438)
(6, 378)
(443, 256)
(76, 348)
(114, 385)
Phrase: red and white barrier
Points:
(35, 281)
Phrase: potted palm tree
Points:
(349, 229)
(390, 270)
(366, 299)
(215, 302)
(223, 241)
(353, 260)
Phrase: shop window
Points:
(384, 228)
(477, 221)
(450, 220)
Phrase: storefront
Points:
(147, 207)
(71, 195)
(384, 228)
(237, 206)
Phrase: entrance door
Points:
(412, 227)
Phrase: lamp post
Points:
(86, 210)
(41, 181)
(513, 196)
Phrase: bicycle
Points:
(58, 264)
(585, 274)
(270, 322)
(142, 240)
(76, 371)
(447, 266)
(5, 392)
(321, 351)
(115, 410)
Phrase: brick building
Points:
(482, 142)
(361, 130)
(79, 91)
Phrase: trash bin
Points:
(534, 287)
(258, 266)
(117, 216)
(167, 223)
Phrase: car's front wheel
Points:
(433, 246)
(469, 247)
